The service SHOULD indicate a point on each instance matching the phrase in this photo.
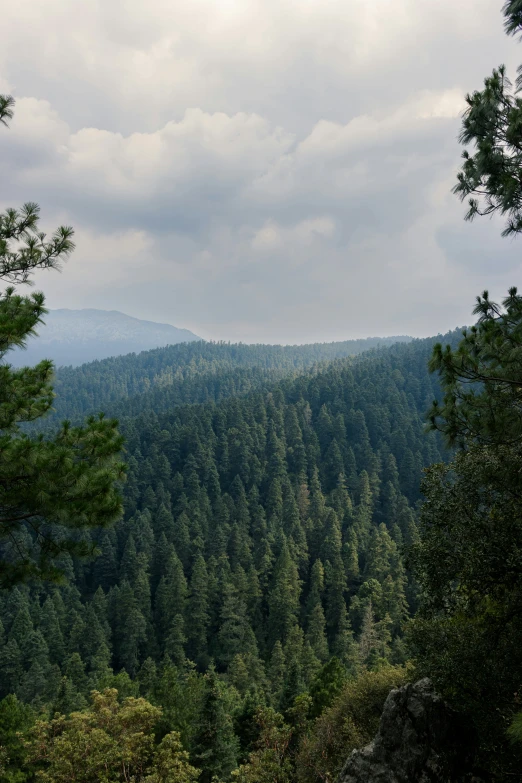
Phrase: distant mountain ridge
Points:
(190, 373)
(73, 337)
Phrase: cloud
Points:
(255, 170)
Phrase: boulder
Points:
(419, 741)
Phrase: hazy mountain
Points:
(72, 337)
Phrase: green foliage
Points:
(270, 762)
(512, 16)
(349, 723)
(467, 635)
(327, 685)
(492, 123)
(110, 742)
(491, 176)
(15, 719)
(515, 729)
(50, 489)
(6, 109)
(180, 695)
(23, 249)
(171, 763)
(482, 377)
(468, 632)
(215, 744)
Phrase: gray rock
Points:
(418, 741)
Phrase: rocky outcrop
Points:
(418, 741)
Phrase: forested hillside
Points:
(188, 373)
(262, 535)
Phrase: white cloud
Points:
(255, 169)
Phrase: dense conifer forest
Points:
(260, 558)
(188, 373)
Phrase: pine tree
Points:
(147, 677)
(198, 612)
(235, 636)
(369, 638)
(341, 501)
(50, 628)
(181, 538)
(309, 664)
(316, 585)
(175, 641)
(130, 563)
(351, 558)
(316, 510)
(363, 511)
(293, 685)
(491, 176)
(215, 744)
(55, 486)
(129, 628)
(106, 567)
(238, 674)
(33, 685)
(335, 589)
(171, 595)
(16, 719)
(283, 597)
(11, 667)
(277, 671)
(316, 633)
(160, 557)
(75, 671)
(22, 631)
(328, 683)
(344, 646)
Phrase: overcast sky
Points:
(270, 170)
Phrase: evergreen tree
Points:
(197, 611)
(175, 641)
(369, 642)
(316, 633)
(328, 683)
(215, 744)
(235, 635)
(52, 633)
(171, 595)
(283, 597)
(277, 671)
(55, 486)
(129, 628)
(130, 563)
(491, 176)
(11, 667)
(16, 719)
(270, 761)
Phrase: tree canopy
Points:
(492, 124)
(50, 488)
(482, 378)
